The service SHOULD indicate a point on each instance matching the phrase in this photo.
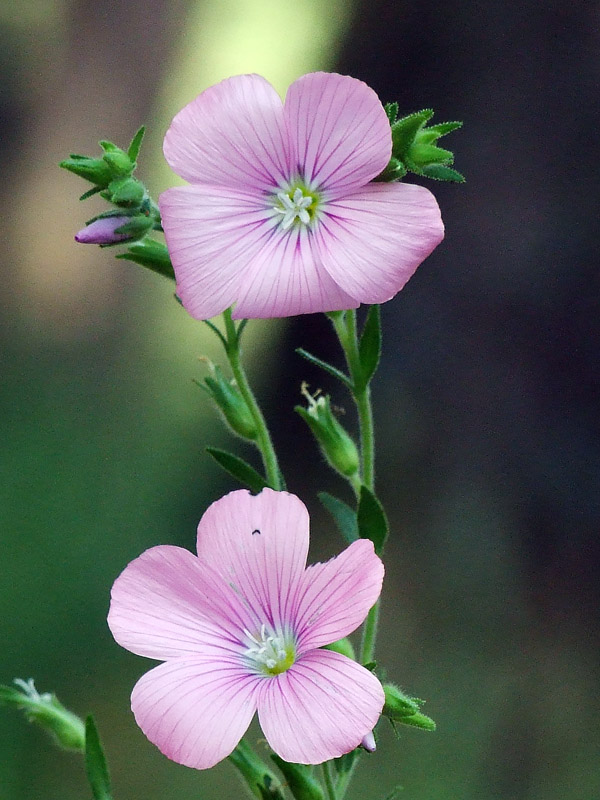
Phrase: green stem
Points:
(329, 780)
(263, 438)
(345, 327)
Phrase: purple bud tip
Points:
(102, 231)
(368, 743)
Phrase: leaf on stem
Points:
(134, 148)
(239, 469)
(95, 762)
(299, 780)
(372, 522)
(343, 516)
(369, 347)
(324, 365)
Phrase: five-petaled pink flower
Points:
(240, 629)
(281, 216)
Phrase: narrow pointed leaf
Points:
(439, 172)
(417, 720)
(95, 762)
(372, 522)
(239, 469)
(134, 148)
(369, 348)
(405, 130)
(344, 763)
(324, 365)
(443, 128)
(90, 192)
(343, 516)
(391, 109)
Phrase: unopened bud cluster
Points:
(399, 707)
(133, 214)
(414, 147)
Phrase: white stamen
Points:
(295, 207)
(267, 649)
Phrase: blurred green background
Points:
(486, 405)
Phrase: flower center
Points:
(268, 652)
(296, 205)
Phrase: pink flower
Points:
(240, 629)
(280, 217)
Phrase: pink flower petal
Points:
(213, 233)
(340, 132)
(319, 709)
(233, 134)
(372, 241)
(335, 597)
(166, 603)
(286, 278)
(259, 545)
(196, 710)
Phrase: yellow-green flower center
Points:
(269, 653)
(297, 205)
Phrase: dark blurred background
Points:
(486, 403)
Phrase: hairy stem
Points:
(263, 439)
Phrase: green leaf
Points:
(439, 172)
(134, 148)
(443, 128)
(423, 154)
(90, 192)
(95, 762)
(239, 469)
(369, 347)
(391, 109)
(324, 365)
(371, 666)
(150, 254)
(372, 522)
(343, 516)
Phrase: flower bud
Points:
(368, 743)
(399, 707)
(103, 231)
(126, 192)
(230, 403)
(95, 170)
(121, 165)
(65, 727)
(336, 444)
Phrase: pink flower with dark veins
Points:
(240, 629)
(281, 216)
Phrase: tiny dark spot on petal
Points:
(255, 531)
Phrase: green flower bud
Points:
(344, 647)
(125, 192)
(299, 780)
(400, 708)
(66, 728)
(94, 170)
(263, 783)
(398, 704)
(118, 160)
(230, 403)
(336, 444)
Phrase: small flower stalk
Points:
(335, 442)
(66, 728)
